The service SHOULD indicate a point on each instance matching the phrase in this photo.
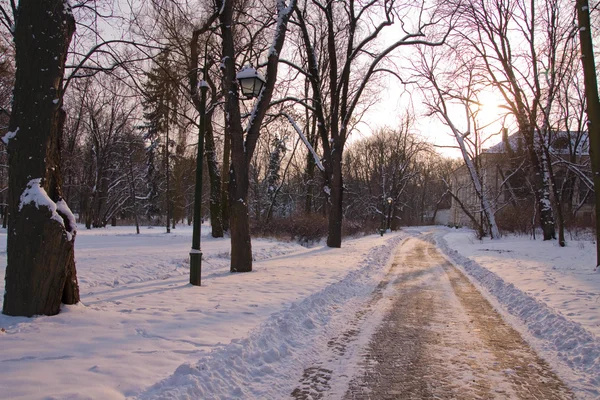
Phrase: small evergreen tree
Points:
(160, 109)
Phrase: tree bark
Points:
(225, 214)
(168, 194)
(241, 246)
(216, 215)
(593, 106)
(41, 268)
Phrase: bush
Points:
(305, 229)
(515, 219)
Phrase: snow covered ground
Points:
(550, 294)
(140, 319)
(142, 331)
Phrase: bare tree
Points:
(354, 60)
(107, 123)
(447, 91)
(243, 141)
(492, 27)
(379, 170)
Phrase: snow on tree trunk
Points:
(40, 245)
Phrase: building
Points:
(506, 181)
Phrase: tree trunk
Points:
(309, 173)
(41, 269)
(86, 206)
(241, 247)
(593, 106)
(4, 216)
(216, 215)
(334, 234)
(544, 203)
(225, 181)
(243, 143)
(132, 192)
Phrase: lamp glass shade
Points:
(251, 82)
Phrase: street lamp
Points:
(195, 252)
(251, 81)
(389, 218)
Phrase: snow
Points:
(142, 331)
(140, 319)
(305, 140)
(63, 208)
(35, 194)
(249, 72)
(9, 135)
(551, 294)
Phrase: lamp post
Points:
(389, 216)
(251, 83)
(196, 252)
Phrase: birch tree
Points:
(448, 90)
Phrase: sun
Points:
(490, 107)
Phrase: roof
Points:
(562, 142)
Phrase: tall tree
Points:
(593, 105)
(243, 141)
(41, 268)
(447, 90)
(506, 35)
(352, 30)
(160, 109)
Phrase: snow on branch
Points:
(305, 140)
(9, 135)
(296, 67)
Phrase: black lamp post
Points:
(389, 217)
(195, 252)
(251, 81)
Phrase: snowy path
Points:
(432, 335)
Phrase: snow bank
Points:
(267, 362)
(559, 337)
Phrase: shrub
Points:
(306, 229)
